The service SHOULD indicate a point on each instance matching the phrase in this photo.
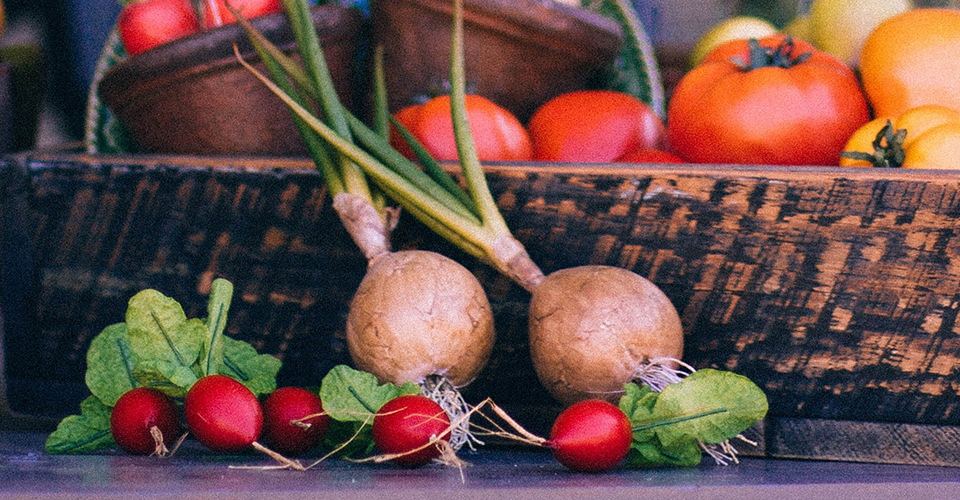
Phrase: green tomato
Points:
(839, 27)
(732, 28)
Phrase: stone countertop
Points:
(500, 473)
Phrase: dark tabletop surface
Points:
(501, 473)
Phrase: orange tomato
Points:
(593, 126)
(913, 59)
(498, 134)
(922, 137)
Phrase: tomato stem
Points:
(888, 149)
(780, 56)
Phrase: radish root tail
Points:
(661, 372)
(441, 390)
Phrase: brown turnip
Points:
(419, 314)
(595, 328)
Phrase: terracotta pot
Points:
(518, 53)
(192, 96)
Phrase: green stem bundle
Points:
(470, 220)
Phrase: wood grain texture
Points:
(876, 442)
(836, 290)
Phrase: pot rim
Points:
(214, 48)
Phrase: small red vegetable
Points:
(216, 13)
(406, 423)
(136, 413)
(145, 24)
(284, 417)
(498, 134)
(223, 414)
(593, 126)
(591, 436)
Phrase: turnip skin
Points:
(136, 412)
(418, 314)
(593, 327)
(592, 435)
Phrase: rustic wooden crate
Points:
(835, 290)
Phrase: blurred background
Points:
(70, 35)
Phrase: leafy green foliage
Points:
(741, 401)
(635, 70)
(111, 352)
(708, 406)
(158, 346)
(350, 395)
(351, 398)
(86, 432)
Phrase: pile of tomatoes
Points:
(775, 100)
(579, 126)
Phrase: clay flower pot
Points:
(192, 96)
(518, 53)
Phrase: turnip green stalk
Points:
(593, 328)
(417, 316)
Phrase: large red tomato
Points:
(498, 134)
(216, 13)
(593, 126)
(774, 101)
(145, 24)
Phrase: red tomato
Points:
(649, 156)
(144, 24)
(216, 13)
(785, 108)
(593, 126)
(498, 134)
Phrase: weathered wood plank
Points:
(836, 290)
(849, 441)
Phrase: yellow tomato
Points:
(732, 28)
(861, 141)
(912, 59)
(938, 147)
(922, 137)
(839, 27)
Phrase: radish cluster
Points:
(224, 416)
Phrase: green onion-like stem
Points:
(469, 220)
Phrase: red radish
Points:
(145, 24)
(293, 420)
(591, 436)
(223, 414)
(144, 421)
(408, 423)
(215, 12)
